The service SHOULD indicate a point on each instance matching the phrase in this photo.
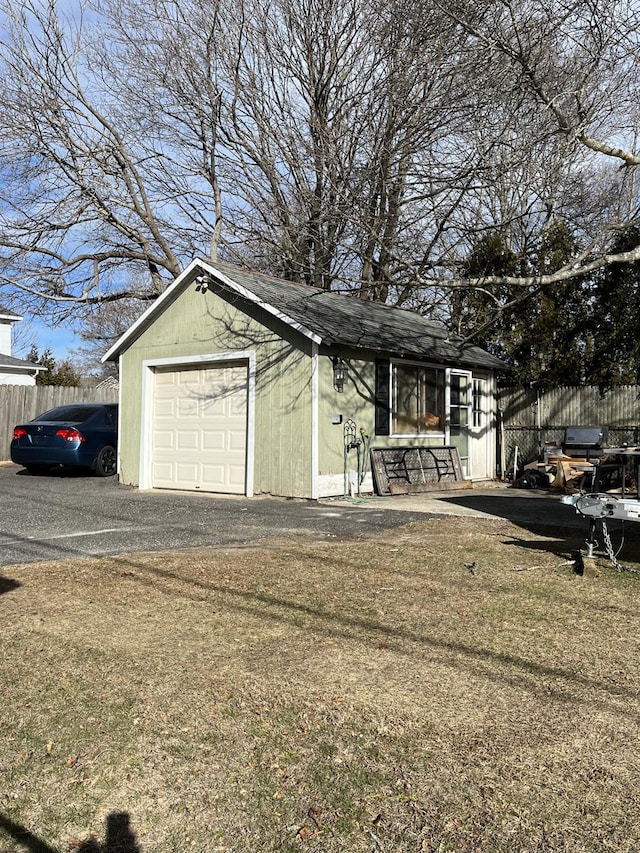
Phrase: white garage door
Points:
(199, 437)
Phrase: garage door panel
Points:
(200, 429)
(164, 379)
(186, 472)
(238, 408)
(213, 375)
(187, 377)
(164, 408)
(214, 409)
(164, 440)
(213, 474)
(236, 475)
(188, 408)
(188, 440)
(214, 439)
(237, 441)
(162, 471)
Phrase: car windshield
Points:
(68, 413)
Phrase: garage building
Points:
(236, 382)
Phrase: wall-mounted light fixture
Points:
(340, 372)
(202, 284)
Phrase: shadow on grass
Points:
(118, 837)
(270, 607)
(560, 548)
(521, 672)
(7, 584)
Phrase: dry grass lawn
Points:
(369, 695)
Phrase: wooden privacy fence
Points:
(529, 418)
(20, 403)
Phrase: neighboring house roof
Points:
(325, 317)
(5, 314)
(107, 382)
(11, 363)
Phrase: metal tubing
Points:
(591, 539)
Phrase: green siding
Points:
(130, 416)
(356, 402)
(198, 324)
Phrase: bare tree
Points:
(23, 338)
(346, 144)
(339, 116)
(172, 92)
(79, 201)
(567, 73)
(100, 327)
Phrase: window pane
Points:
(418, 400)
(455, 390)
(459, 402)
(431, 412)
(477, 402)
(406, 400)
(459, 416)
(459, 390)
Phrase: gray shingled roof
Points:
(348, 321)
(329, 318)
(10, 361)
(6, 313)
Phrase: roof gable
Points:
(325, 317)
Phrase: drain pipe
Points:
(364, 439)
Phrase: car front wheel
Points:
(106, 462)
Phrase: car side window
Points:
(110, 417)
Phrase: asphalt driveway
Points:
(66, 515)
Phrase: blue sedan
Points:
(78, 435)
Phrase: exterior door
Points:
(199, 434)
(459, 409)
(481, 436)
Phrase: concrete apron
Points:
(435, 503)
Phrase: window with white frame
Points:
(478, 402)
(459, 401)
(418, 399)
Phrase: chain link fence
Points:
(529, 419)
(529, 443)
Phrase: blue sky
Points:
(58, 339)
(61, 340)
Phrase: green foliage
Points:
(615, 358)
(541, 331)
(474, 308)
(491, 256)
(55, 374)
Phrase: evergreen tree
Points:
(542, 332)
(615, 354)
(55, 374)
